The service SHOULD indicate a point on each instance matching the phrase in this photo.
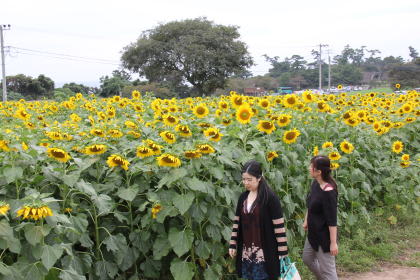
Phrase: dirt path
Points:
(388, 273)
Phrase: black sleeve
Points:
(278, 224)
(329, 207)
(235, 226)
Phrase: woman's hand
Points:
(232, 253)
(305, 225)
(334, 249)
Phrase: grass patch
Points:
(371, 244)
(381, 90)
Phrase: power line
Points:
(64, 55)
(66, 58)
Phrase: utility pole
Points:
(3, 64)
(320, 67)
(329, 72)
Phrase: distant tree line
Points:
(353, 66)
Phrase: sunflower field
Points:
(145, 188)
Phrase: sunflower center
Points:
(267, 125)
(290, 135)
(58, 154)
(291, 100)
(244, 115)
(200, 110)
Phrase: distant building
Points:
(256, 91)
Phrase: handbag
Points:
(288, 270)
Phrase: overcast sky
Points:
(99, 30)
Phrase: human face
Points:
(315, 173)
(250, 182)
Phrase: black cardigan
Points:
(270, 211)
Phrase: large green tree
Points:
(194, 51)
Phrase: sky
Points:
(81, 41)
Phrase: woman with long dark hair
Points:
(258, 235)
(321, 221)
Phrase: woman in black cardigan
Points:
(258, 235)
(321, 221)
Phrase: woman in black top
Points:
(321, 221)
(258, 234)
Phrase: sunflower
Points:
(213, 134)
(96, 149)
(22, 114)
(410, 119)
(205, 149)
(398, 125)
(340, 87)
(405, 157)
(34, 212)
(157, 149)
(266, 126)
(347, 115)
(284, 120)
(170, 120)
(115, 133)
(192, 154)
(97, 132)
(24, 146)
(405, 164)
(143, 151)
(407, 108)
(138, 107)
(272, 155)
(226, 121)
(117, 160)
(315, 151)
(334, 165)
(397, 147)
(346, 147)
(168, 160)
(184, 130)
(290, 136)
(4, 208)
(397, 86)
(223, 105)
(54, 135)
(323, 107)
(30, 125)
(244, 113)
(334, 156)
(130, 124)
(58, 154)
(168, 137)
(308, 97)
(155, 210)
(264, 103)
(135, 94)
(237, 100)
(326, 145)
(201, 110)
(352, 122)
(290, 100)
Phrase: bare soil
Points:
(387, 271)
